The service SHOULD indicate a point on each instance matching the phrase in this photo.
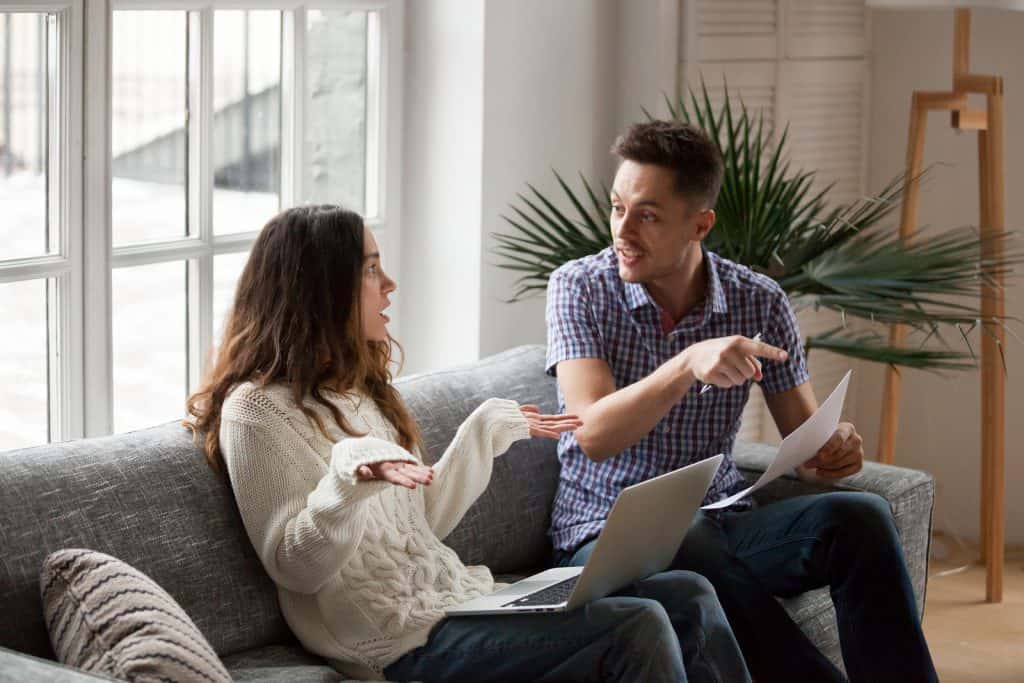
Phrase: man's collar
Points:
(716, 294)
(637, 295)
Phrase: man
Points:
(634, 333)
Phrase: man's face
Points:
(652, 224)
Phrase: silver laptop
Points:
(641, 537)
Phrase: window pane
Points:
(246, 119)
(149, 137)
(23, 364)
(226, 270)
(25, 85)
(149, 340)
(336, 94)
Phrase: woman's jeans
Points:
(668, 627)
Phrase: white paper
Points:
(800, 446)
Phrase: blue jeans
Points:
(668, 627)
(845, 540)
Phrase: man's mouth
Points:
(628, 255)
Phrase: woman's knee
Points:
(634, 619)
(687, 585)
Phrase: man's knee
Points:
(858, 507)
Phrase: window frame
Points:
(83, 391)
(65, 388)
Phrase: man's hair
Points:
(684, 148)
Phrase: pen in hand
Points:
(706, 387)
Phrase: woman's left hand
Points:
(549, 426)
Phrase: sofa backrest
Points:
(506, 529)
(148, 498)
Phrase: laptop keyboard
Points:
(555, 594)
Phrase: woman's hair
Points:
(296, 319)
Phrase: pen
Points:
(757, 338)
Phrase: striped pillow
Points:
(109, 618)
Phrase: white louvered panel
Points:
(757, 421)
(803, 82)
(825, 28)
(753, 83)
(824, 104)
(736, 29)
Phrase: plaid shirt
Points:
(592, 313)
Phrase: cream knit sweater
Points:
(361, 573)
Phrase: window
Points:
(117, 273)
(39, 228)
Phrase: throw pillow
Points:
(104, 616)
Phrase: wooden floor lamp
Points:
(989, 125)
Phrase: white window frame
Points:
(83, 396)
(65, 391)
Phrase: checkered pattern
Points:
(592, 313)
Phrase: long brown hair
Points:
(296, 319)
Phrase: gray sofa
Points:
(148, 498)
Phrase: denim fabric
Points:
(846, 541)
(668, 627)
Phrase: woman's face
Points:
(376, 287)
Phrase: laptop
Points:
(641, 537)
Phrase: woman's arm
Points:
(304, 518)
(462, 473)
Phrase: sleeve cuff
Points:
(504, 422)
(348, 455)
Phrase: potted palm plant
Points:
(841, 258)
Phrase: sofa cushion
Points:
(282, 663)
(506, 529)
(106, 617)
(148, 498)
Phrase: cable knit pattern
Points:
(362, 574)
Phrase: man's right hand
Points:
(729, 361)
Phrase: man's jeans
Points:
(632, 636)
(845, 540)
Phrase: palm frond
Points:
(779, 220)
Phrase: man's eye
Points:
(617, 210)
(648, 217)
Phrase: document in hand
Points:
(801, 445)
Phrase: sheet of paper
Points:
(800, 446)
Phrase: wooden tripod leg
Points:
(993, 378)
(984, 201)
(908, 222)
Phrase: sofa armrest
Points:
(910, 494)
(18, 666)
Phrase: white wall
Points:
(524, 86)
(441, 180)
(548, 103)
(939, 427)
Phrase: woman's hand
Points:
(399, 473)
(549, 426)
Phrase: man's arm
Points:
(614, 420)
(841, 456)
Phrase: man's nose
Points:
(625, 226)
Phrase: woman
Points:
(326, 465)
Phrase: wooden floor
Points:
(970, 640)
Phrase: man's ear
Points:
(705, 220)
